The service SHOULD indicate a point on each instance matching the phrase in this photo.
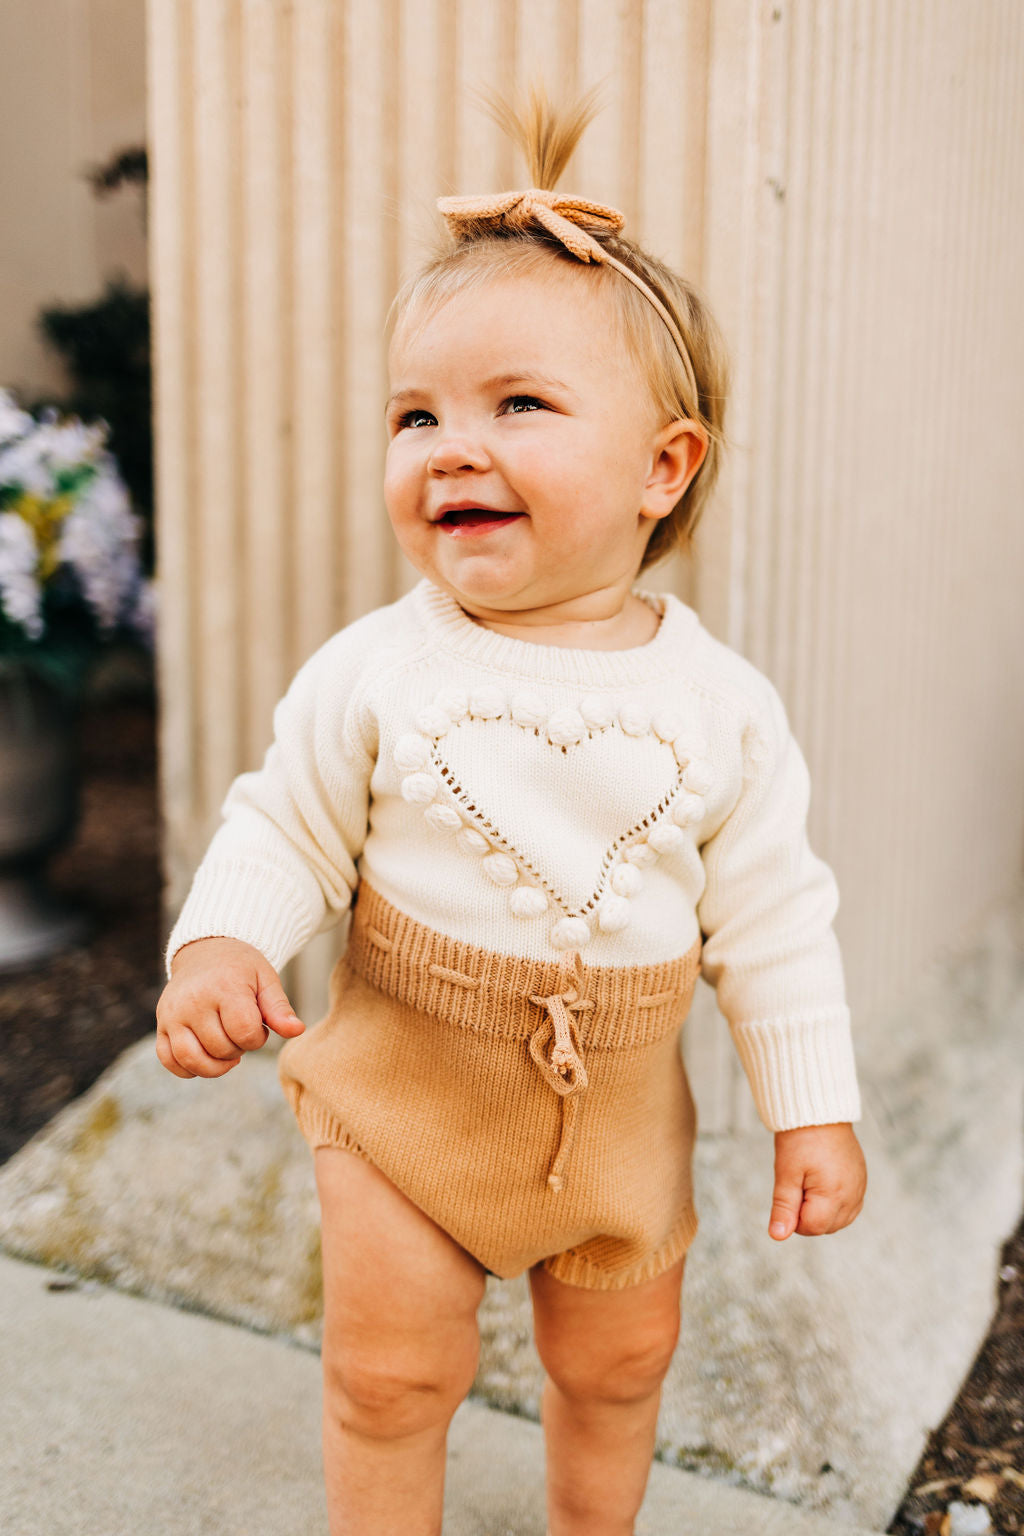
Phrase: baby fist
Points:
(223, 999)
(820, 1180)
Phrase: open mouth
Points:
(477, 519)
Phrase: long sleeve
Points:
(282, 865)
(770, 949)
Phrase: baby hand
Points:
(820, 1179)
(223, 998)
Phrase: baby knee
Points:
(624, 1372)
(388, 1397)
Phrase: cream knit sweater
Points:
(536, 800)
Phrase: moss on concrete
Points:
(92, 1136)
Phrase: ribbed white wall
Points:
(844, 179)
(864, 235)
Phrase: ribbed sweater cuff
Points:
(243, 900)
(801, 1071)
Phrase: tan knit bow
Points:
(561, 215)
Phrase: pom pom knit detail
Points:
(570, 933)
(472, 841)
(598, 713)
(626, 880)
(454, 702)
(528, 711)
(419, 788)
(487, 704)
(688, 748)
(613, 914)
(501, 868)
(433, 721)
(666, 837)
(443, 818)
(412, 752)
(528, 901)
(566, 728)
(427, 760)
(697, 778)
(634, 721)
(687, 810)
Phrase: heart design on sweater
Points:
(541, 797)
(556, 838)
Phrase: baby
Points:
(553, 800)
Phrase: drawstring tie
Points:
(563, 1069)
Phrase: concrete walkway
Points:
(121, 1415)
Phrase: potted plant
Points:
(71, 584)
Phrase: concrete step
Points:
(122, 1415)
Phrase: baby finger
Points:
(243, 1024)
(189, 1052)
(166, 1056)
(845, 1215)
(212, 1036)
(817, 1216)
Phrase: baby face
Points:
(526, 460)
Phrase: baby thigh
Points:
(400, 1349)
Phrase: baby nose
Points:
(454, 452)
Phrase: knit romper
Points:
(544, 847)
(538, 1112)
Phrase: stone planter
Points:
(39, 804)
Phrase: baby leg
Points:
(399, 1353)
(606, 1354)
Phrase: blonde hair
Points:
(475, 256)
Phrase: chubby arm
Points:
(771, 952)
(282, 865)
(769, 947)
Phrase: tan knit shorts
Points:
(538, 1112)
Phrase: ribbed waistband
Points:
(478, 989)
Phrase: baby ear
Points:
(679, 450)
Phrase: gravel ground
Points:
(976, 1456)
(64, 1023)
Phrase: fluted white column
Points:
(864, 229)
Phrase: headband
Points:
(562, 216)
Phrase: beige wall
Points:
(865, 235)
(72, 92)
(844, 181)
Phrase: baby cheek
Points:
(399, 480)
(392, 469)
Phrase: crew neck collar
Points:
(455, 632)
